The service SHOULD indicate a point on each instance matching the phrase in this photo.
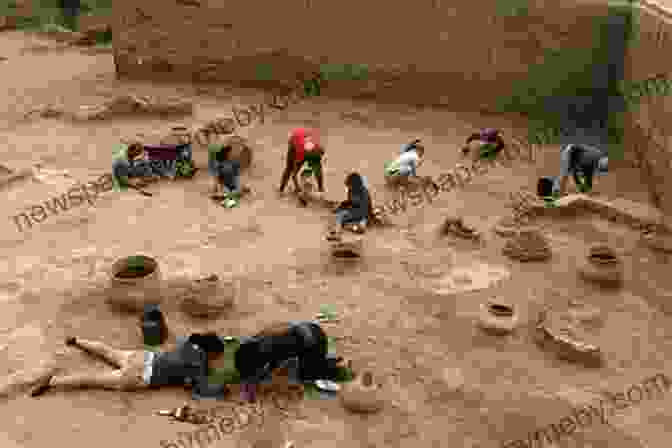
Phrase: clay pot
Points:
(498, 318)
(208, 298)
(362, 395)
(602, 266)
(347, 247)
(134, 282)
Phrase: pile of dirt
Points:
(529, 245)
(136, 105)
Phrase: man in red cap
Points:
(303, 148)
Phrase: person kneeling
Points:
(356, 210)
(130, 168)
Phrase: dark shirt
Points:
(187, 364)
(585, 158)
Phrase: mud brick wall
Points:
(649, 128)
(460, 53)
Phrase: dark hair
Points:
(209, 342)
(247, 358)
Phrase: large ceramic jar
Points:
(135, 282)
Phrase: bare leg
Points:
(115, 380)
(117, 358)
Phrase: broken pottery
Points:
(568, 343)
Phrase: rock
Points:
(208, 297)
(602, 266)
(528, 245)
(498, 317)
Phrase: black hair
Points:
(247, 358)
(209, 342)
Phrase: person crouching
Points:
(356, 210)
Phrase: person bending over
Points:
(580, 160)
(401, 170)
(303, 147)
(130, 168)
(356, 210)
(141, 369)
(225, 171)
(258, 356)
(486, 144)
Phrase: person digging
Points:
(583, 162)
(225, 173)
(355, 211)
(130, 169)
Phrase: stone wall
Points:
(461, 53)
(648, 127)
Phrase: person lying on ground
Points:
(580, 160)
(258, 356)
(356, 210)
(142, 369)
(130, 168)
(405, 166)
(303, 147)
(485, 144)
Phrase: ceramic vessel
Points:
(134, 282)
(498, 318)
(602, 266)
(362, 395)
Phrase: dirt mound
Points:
(135, 105)
(529, 245)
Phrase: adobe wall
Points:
(461, 53)
(649, 129)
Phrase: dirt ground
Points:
(397, 316)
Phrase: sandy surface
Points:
(407, 310)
